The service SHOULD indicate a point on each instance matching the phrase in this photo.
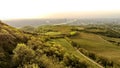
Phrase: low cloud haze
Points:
(26, 9)
(92, 14)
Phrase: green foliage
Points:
(29, 65)
(4, 31)
(28, 28)
(98, 49)
(69, 50)
(55, 51)
(46, 62)
(73, 33)
(53, 46)
(104, 30)
(73, 61)
(9, 38)
(99, 59)
(7, 42)
(115, 41)
(23, 54)
(52, 33)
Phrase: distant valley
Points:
(74, 21)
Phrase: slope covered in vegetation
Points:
(19, 49)
(59, 46)
(98, 42)
(9, 38)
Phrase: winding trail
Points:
(90, 59)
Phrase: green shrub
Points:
(73, 33)
(22, 54)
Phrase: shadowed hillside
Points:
(59, 46)
(9, 37)
(27, 50)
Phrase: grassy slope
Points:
(97, 44)
(110, 38)
(71, 50)
(91, 42)
(9, 37)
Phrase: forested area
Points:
(56, 46)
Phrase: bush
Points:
(73, 61)
(22, 54)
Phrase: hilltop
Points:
(59, 46)
(27, 50)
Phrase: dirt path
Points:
(90, 59)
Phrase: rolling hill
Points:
(27, 50)
(9, 37)
(59, 46)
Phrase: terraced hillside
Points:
(69, 48)
(31, 51)
(98, 45)
(93, 42)
(59, 46)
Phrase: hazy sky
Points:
(15, 9)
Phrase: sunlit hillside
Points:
(59, 33)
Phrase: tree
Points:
(22, 54)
